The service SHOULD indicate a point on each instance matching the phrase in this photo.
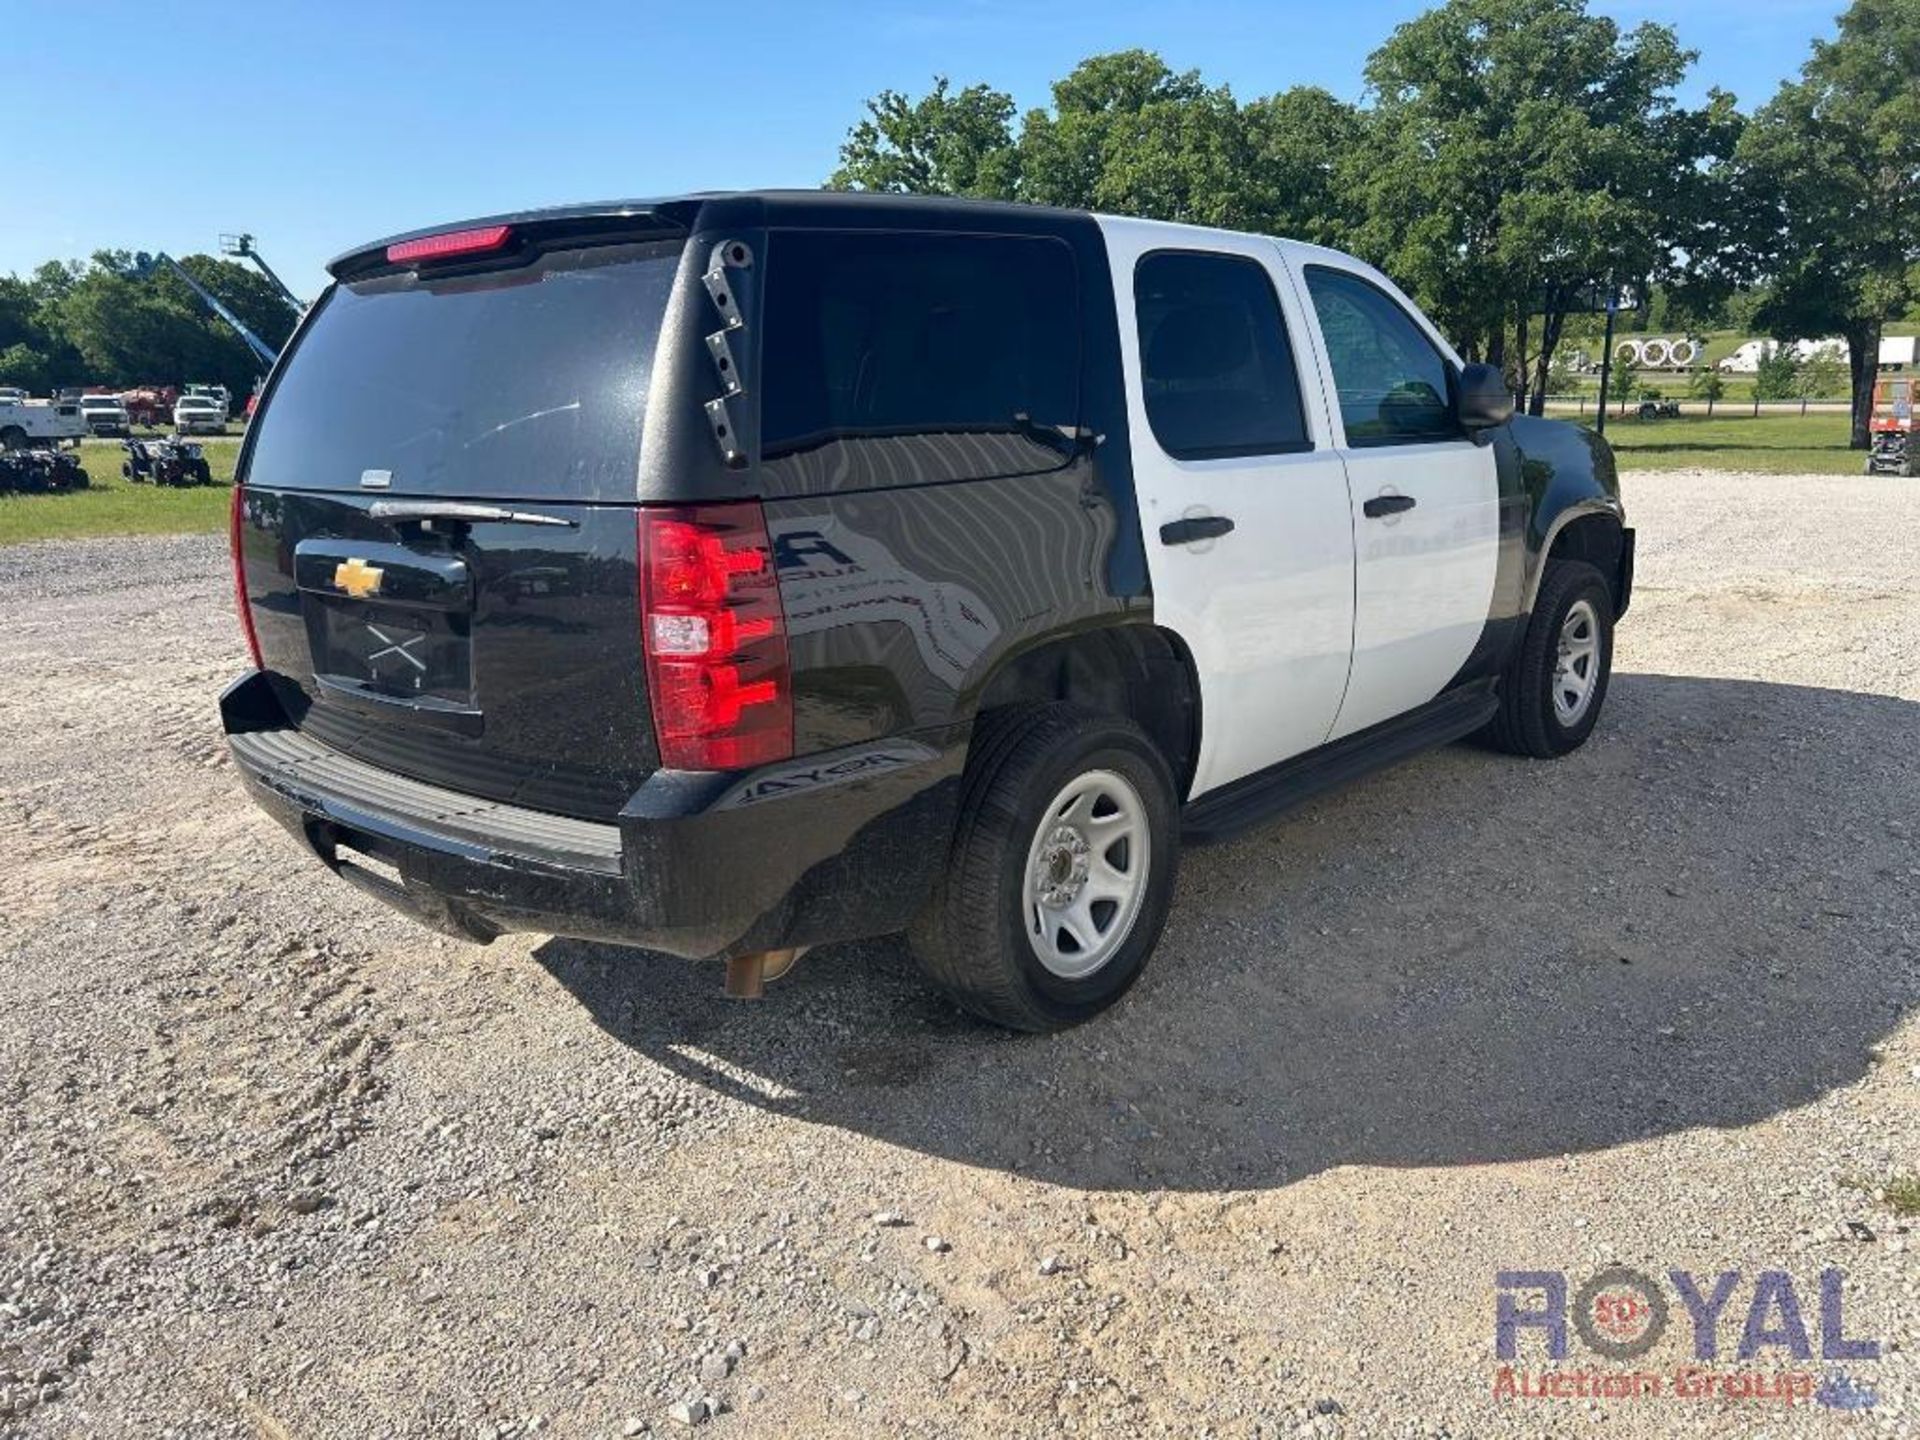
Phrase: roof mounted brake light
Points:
(450, 245)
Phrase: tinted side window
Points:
(892, 358)
(1395, 388)
(1215, 363)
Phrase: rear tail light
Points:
(450, 244)
(236, 519)
(715, 637)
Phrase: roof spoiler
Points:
(520, 236)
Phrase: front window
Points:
(1395, 387)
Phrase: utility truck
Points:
(25, 422)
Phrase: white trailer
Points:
(1899, 352)
(1746, 360)
(36, 422)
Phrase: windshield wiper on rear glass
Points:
(460, 510)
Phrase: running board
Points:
(1246, 803)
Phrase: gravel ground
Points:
(274, 1162)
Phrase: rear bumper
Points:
(833, 847)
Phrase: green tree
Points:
(128, 323)
(1562, 378)
(123, 330)
(52, 280)
(1525, 150)
(1833, 162)
(1623, 380)
(1822, 376)
(1127, 135)
(1707, 384)
(33, 353)
(18, 312)
(1742, 310)
(1778, 377)
(945, 143)
(30, 369)
(1305, 147)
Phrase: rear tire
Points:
(1553, 689)
(1061, 868)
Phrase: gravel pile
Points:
(274, 1162)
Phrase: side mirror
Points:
(1483, 400)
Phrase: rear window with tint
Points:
(1216, 366)
(893, 359)
(527, 383)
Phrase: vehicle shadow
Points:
(1704, 918)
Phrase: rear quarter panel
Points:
(901, 603)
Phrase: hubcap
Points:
(1086, 874)
(1576, 669)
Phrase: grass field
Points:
(1775, 444)
(112, 506)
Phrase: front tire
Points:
(1552, 691)
(1061, 869)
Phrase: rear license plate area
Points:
(399, 652)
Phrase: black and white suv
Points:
(735, 574)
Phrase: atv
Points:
(166, 462)
(42, 471)
(1659, 409)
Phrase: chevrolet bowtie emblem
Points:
(358, 578)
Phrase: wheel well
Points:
(1139, 671)
(1595, 539)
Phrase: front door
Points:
(1243, 499)
(1425, 500)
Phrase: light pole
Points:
(1606, 354)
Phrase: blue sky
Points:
(318, 127)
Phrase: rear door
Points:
(439, 531)
(1243, 500)
(1425, 504)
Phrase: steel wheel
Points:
(1086, 874)
(1577, 665)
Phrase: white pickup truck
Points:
(26, 422)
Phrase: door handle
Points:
(1200, 527)
(1381, 505)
